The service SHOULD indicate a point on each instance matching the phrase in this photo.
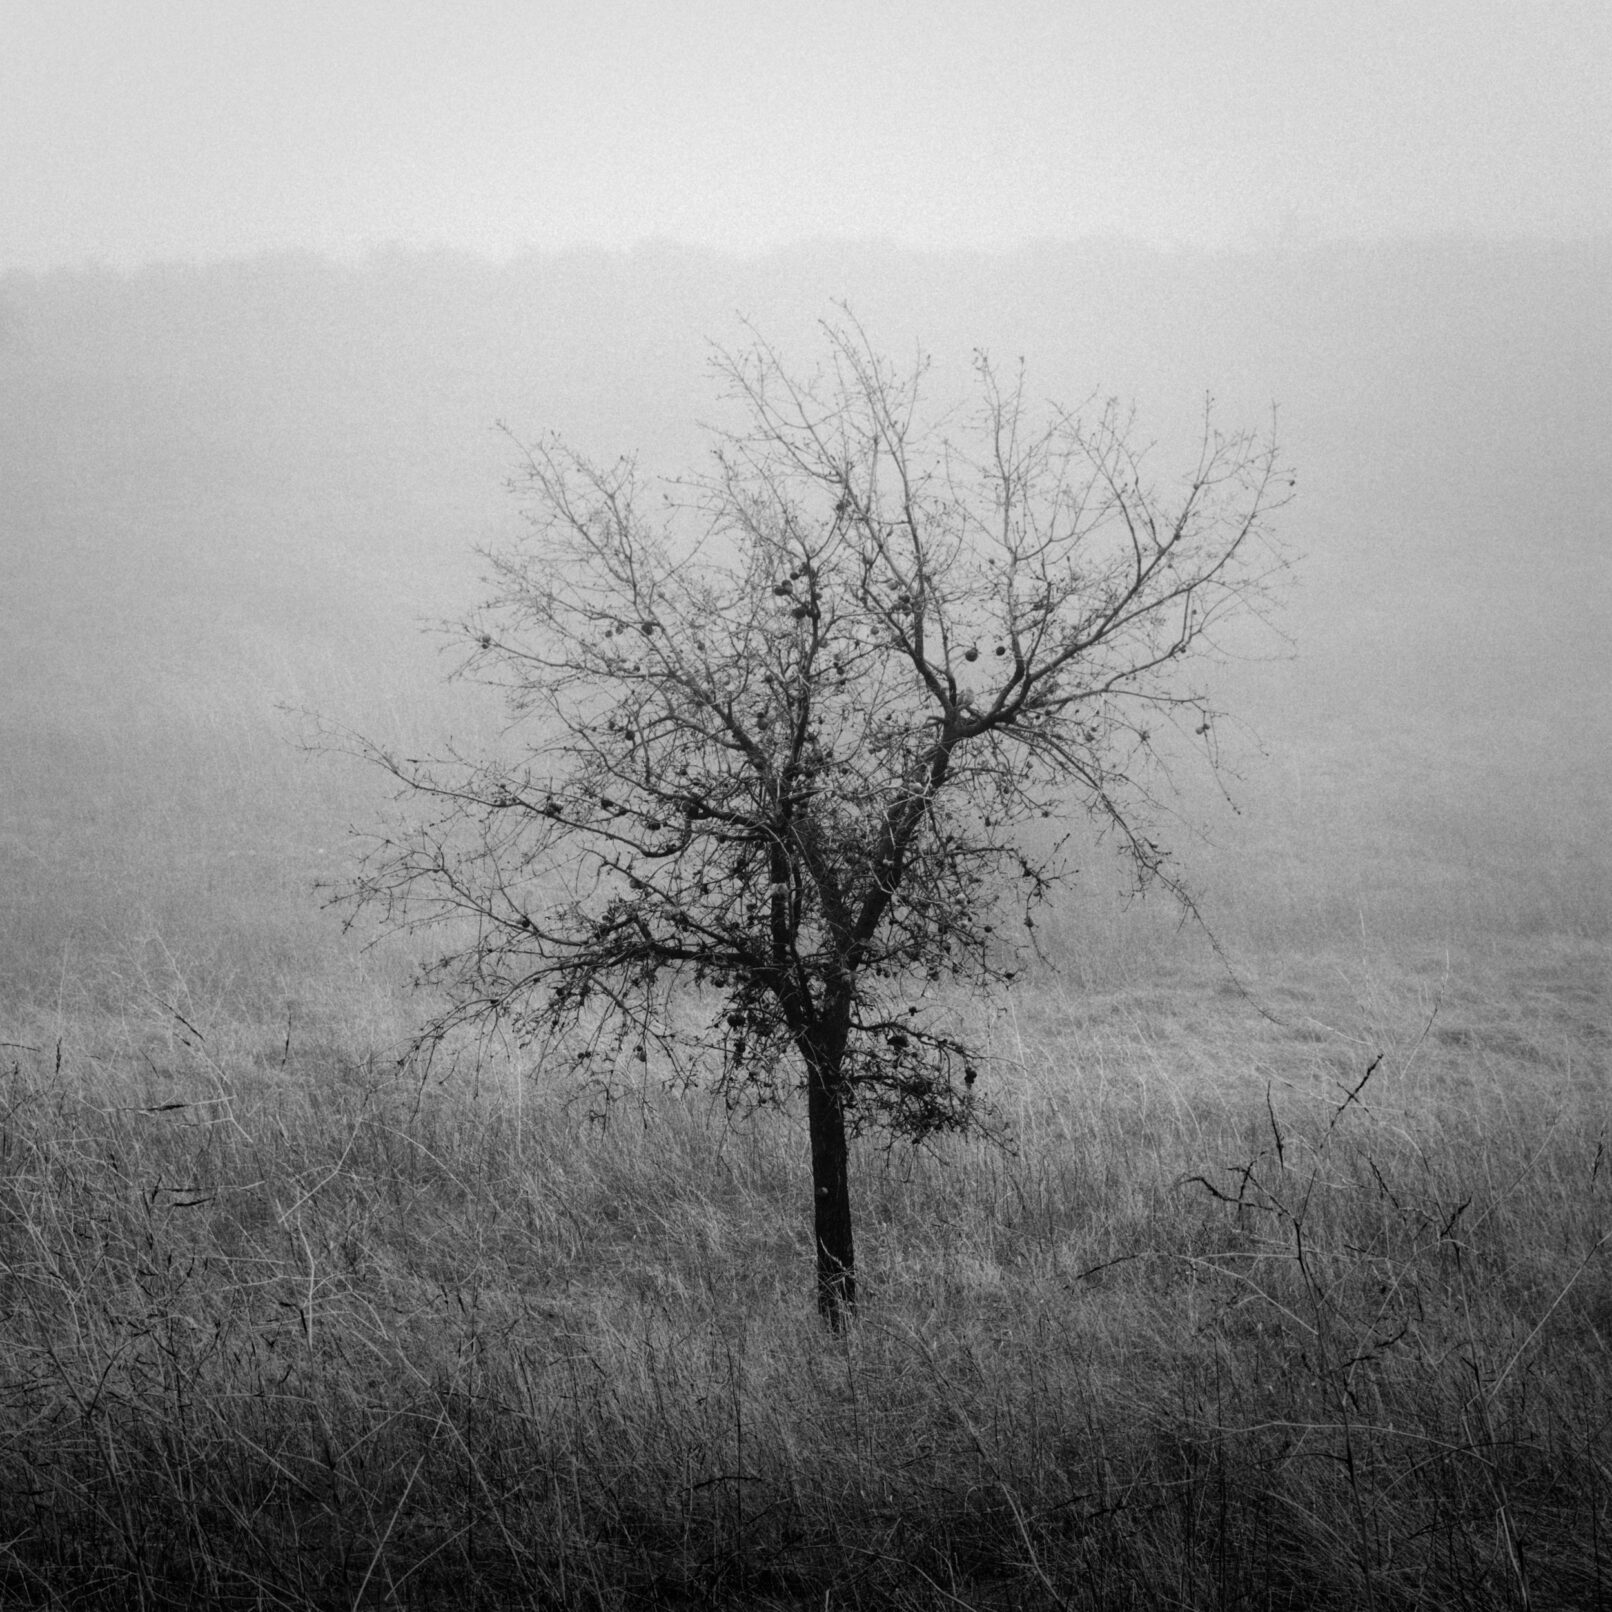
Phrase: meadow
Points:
(1288, 1286)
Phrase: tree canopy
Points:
(784, 741)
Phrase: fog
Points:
(234, 488)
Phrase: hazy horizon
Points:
(271, 275)
(234, 486)
(170, 130)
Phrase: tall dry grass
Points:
(1309, 1309)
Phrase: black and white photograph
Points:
(805, 807)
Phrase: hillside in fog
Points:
(223, 489)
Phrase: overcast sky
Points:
(139, 130)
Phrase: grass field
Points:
(1292, 1299)
(1288, 1288)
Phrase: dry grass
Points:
(1232, 1325)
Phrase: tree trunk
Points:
(831, 1194)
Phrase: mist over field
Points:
(1290, 1289)
(233, 488)
(1257, 1262)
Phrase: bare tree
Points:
(781, 738)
